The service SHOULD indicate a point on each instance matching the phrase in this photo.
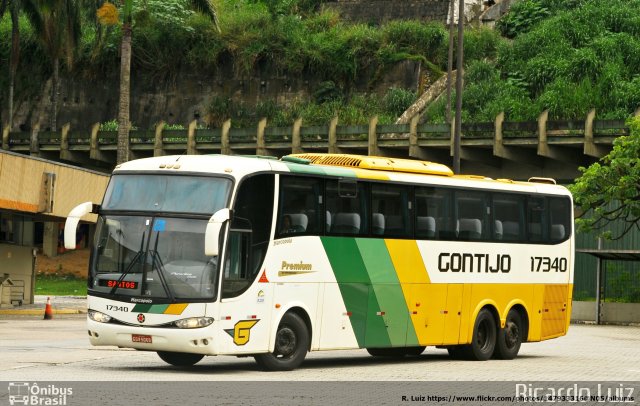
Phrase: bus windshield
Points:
(153, 257)
(162, 193)
(153, 253)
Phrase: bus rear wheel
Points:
(180, 359)
(292, 344)
(509, 337)
(484, 337)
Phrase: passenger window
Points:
(390, 211)
(508, 216)
(434, 217)
(347, 211)
(472, 216)
(537, 220)
(299, 210)
(560, 216)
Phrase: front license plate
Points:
(139, 338)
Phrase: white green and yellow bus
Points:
(248, 256)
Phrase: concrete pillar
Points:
(333, 136)
(590, 147)
(414, 149)
(191, 138)
(224, 138)
(158, 145)
(50, 239)
(5, 137)
(94, 151)
(373, 137)
(260, 143)
(35, 143)
(296, 139)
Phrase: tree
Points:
(609, 190)
(57, 25)
(106, 14)
(14, 11)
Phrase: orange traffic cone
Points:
(48, 313)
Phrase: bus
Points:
(273, 258)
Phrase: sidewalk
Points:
(59, 305)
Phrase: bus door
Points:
(245, 308)
(246, 301)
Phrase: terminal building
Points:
(35, 197)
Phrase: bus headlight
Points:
(99, 317)
(194, 322)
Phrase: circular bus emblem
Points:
(141, 318)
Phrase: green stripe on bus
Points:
(141, 308)
(354, 283)
(150, 308)
(321, 170)
(388, 291)
(158, 309)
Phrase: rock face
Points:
(379, 11)
(185, 97)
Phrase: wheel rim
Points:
(286, 343)
(511, 335)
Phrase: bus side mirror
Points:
(212, 234)
(71, 225)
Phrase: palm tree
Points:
(14, 10)
(57, 24)
(204, 6)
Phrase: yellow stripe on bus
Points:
(176, 308)
(365, 174)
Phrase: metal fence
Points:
(621, 278)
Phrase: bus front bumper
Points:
(196, 340)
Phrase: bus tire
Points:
(484, 337)
(387, 352)
(180, 359)
(292, 344)
(509, 337)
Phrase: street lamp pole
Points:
(459, 68)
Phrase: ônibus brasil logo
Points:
(25, 393)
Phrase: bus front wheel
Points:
(509, 337)
(292, 344)
(180, 359)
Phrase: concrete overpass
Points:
(499, 149)
(35, 197)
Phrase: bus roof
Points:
(375, 163)
(336, 165)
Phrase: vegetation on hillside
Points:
(567, 56)
(563, 55)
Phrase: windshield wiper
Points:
(130, 266)
(156, 262)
